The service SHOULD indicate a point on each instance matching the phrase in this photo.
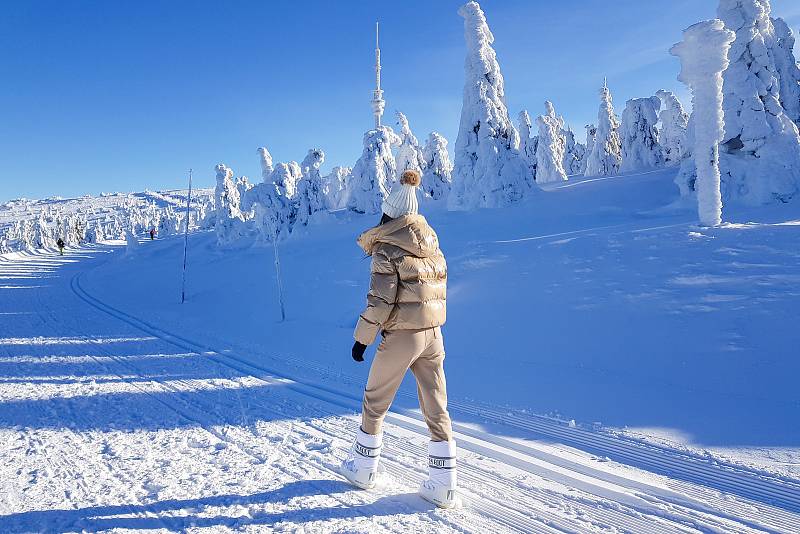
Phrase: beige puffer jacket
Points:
(409, 278)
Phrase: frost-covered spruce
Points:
(227, 206)
(591, 137)
(704, 56)
(265, 158)
(674, 123)
(527, 144)
(409, 153)
(551, 147)
(760, 153)
(606, 154)
(574, 153)
(788, 69)
(489, 170)
(639, 136)
(310, 191)
(437, 176)
(335, 186)
(374, 171)
(273, 213)
(243, 185)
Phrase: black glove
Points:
(358, 351)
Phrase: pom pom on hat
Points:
(403, 198)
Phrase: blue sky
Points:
(121, 96)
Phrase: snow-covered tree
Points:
(704, 56)
(674, 123)
(574, 153)
(310, 194)
(591, 137)
(437, 176)
(788, 70)
(242, 185)
(640, 147)
(489, 170)
(409, 153)
(760, 154)
(527, 144)
(551, 146)
(227, 206)
(274, 213)
(606, 154)
(265, 158)
(335, 186)
(374, 171)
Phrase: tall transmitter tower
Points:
(378, 103)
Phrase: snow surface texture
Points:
(674, 123)
(437, 176)
(409, 153)
(550, 147)
(760, 155)
(374, 172)
(640, 147)
(124, 410)
(704, 56)
(489, 170)
(604, 159)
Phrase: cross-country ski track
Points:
(113, 422)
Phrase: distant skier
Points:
(152, 233)
(406, 303)
(60, 244)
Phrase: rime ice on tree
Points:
(489, 171)
(640, 147)
(335, 186)
(527, 144)
(437, 177)
(551, 146)
(265, 158)
(704, 55)
(227, 206)
(374, 171)
(574, 153)
(674, 123)
(787, 69)
(760, 153)
(604, 159)
(409, 153)
(310, 195)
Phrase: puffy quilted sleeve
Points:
(380, 299)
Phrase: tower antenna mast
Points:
(378, 103)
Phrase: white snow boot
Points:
(440, 488)
(361, 465)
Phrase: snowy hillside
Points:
(610, 365)
(29, 225)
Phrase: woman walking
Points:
(406, 305)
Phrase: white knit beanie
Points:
(403, 198)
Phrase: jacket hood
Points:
(411, 233)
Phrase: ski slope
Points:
(123, 410)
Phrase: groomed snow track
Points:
(695, 494)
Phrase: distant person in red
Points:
(152, 233)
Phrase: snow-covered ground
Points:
(610, 366)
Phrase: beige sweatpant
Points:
(422, 351)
